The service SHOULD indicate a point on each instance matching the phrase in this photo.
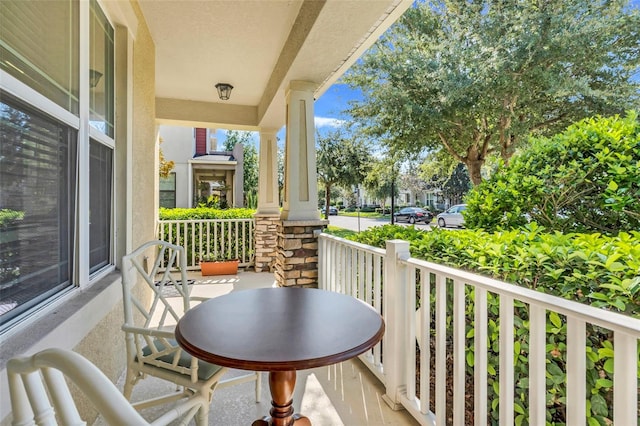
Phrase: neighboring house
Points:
(428, 197)
(200, 169)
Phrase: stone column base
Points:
(266, 242)
(297, 257)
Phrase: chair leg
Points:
(130, 380)
(258, 385)
(202, 417)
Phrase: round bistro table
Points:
(279, 330)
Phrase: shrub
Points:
(8, 217)
(204, 213)
(221, 241)
(586, 179)
(603, 271)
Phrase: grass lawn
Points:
(339, 232)
(372, 215)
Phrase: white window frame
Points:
(80, 277)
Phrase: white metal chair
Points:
(40, 395)
(149, 321)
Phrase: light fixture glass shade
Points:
(94, 77)
(224, 90)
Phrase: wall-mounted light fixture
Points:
(224, 90)
(94, 77)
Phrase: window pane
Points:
(168, 191)
(101, 71)
(100, 170)
(39, 46)
(37, 187)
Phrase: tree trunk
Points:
(474, 162)
(327, 199)
(474, 168)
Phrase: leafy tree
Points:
(477, 77)
(410, 180)
(250, 182)
(584, 179)
(380, 179)
(280, 161)
(165, 166)
(341, 160)
(458, 184)
(335, 193)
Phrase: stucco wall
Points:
(177, 146)
(177, 143)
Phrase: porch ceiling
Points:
(258, 46)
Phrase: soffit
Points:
(258, 46)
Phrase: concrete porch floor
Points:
(342, 394)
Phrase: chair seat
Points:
(205, 369)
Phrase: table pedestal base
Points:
(281, 384)
(296, 419)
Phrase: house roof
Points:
(216, 158)
(259, 47)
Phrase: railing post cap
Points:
(397, 243)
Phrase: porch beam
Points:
(180, 112)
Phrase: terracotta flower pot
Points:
(226, 267)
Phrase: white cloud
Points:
(328, 122)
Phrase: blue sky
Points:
(329, 108)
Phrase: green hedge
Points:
(599, 270)
(222, 247)
(205, 213)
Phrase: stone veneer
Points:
(297, 256)
(266, 241)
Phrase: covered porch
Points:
(165, 59)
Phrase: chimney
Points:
(201, 141)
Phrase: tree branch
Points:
(449, 149)
(544, 124)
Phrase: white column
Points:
(268, 197)
(300, 181)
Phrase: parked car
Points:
(413, 215)
(333, 211)
(452, 217)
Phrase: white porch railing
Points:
(395, 284)
(211, 237)
(356, 269)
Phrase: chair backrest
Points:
(38, 390)
(166, 273)
(150, 316)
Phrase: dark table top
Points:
(279, 329)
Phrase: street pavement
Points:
(355, 224)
